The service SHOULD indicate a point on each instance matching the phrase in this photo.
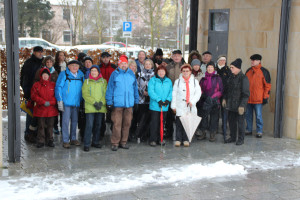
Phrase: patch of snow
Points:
(60, 185)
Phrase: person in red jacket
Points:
(42, 93)
(106, 66)
(260, 86)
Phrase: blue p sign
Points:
(127, 26)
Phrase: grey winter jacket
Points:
(237, 92)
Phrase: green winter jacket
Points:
(94, 91)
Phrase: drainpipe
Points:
(193, 25)
(281, 67)
(13, 80)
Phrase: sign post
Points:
(127, 30)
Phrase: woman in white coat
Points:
(186, 93)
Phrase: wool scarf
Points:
(187, 89)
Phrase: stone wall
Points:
(253, 28)
(292, 88)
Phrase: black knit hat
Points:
(105, 54)
(237, 63)
(87, 58)
(80, 56)
(159, 52)
(256, 57)
(38, 48)
(206, 52)
(74, 62)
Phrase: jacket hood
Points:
(43, 70)
(194, 52)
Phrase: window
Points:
(66, 13)
(219, 21)
(46, 35)
(67, 36)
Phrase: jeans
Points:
(224, 121)
(69, 113)
(93, 124)
(249, 117)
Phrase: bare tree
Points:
(74, 21)
(149, 11)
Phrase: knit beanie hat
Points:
(159, 52)
(196, 62)
(122, 59)
(237, 63)
(95, 66)
(87, 58)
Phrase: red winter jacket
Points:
(106, 70)
(41, 92)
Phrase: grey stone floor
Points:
(272, 166)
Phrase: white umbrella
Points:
(190, 123)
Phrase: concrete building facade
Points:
(253, 27)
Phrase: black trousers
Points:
(143, 118)
(169, 123)
(155, 125)
(210, 121)
(236, 124)
(180, 132)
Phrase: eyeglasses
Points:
(185, 70)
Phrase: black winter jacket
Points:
(28, 71)
(237, 92)
(224, 73)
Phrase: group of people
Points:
(133, 96)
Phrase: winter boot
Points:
(212, 136)
(202, 136)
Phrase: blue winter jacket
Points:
(159, 89)
(68, 88)
(122, 90)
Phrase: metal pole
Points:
(184, 10)
(178, 23)
(193, 25)
(13, 79)
(281, 67)
(126, 44)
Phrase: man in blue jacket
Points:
(121, 96)
(68, 95)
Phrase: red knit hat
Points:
(122, 59)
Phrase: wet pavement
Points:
(266, 168)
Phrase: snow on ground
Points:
(61, 185)
(22, 118)
(64, 185)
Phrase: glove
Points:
(110, 107)
(166, 103)
(60, 105)
(47, 103)
(160, 103)
(97, 106)
(223, 103)
(241, 110)
(265, 101)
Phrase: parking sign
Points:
(127, 26)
